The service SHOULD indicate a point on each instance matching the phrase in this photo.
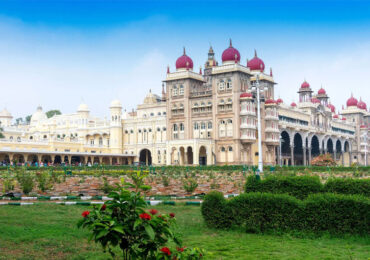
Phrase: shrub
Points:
(215, 211)
(348, 186)
(25, 180)
(323, 160)
(263, 212)
(190, 185)
(123, 222)
(297, 186)
(44, 181)
(338, 213)
(106, 187)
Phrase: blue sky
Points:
(58, 53)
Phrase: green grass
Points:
(49, 232)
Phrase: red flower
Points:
(153, 211)
(145, 216)
(85, 213)
(180, 249)
(172, 215)
(103, 207)
(166, 250)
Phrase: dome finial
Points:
(150, 90)
(200, 70)
(231, 43)
(168, 69)
(270, 72)
(184, 51)
(255, 53)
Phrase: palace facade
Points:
(201, 118)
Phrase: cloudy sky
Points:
(60, 53)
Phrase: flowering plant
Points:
(123, 222)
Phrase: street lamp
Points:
(259, 88)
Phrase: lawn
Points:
(49, 231)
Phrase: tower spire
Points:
(231, 43)
(255, 53)
(184, 51)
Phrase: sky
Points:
(58, 54)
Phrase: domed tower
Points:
(211, 61)
(322, 96)
(184, 62)
(230, 55)
(116, 131)
(305, 92)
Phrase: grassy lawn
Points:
(50, 232)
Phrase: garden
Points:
(228, 212)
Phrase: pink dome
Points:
(279, 101)
(256, 63)
(231, 54)
(305, 85)
(245, 95)
(293, 104)
(332, 108)
(343, 118)
(362, 105)
(270, 101)
(352, 102)
(321, 91)
(184, 62)
(315, 100)
(335, 116)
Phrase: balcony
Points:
(247, 126)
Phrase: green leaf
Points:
(137, 222)
(101, 233)
(118, 229)
(149, 230)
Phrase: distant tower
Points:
(305, 92)
(211, 62)
(116, 132)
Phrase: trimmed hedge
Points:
(297, 186)
(303, 186)
(348, 186)
(266, 212)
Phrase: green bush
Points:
(215, 210)
(266, 212)
(297, 186)
(26, 181)
(338, 213)
(348, 186)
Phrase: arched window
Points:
(181, 127)
(159, 113)
(221, 85)
(174, 127)
(196, 126)
(45, 136)
(229, 121)
(222, 149)
(31, 137)
(144, 130)
(209, 125)
(131, 131)
(100, 141)
(158, 129)
(18, 139)
(149, 130)
(230, 149)
(139, 131)
(181, 92)
(164, 128)
(126, 132)
(203, 125)
(151, 114)
(11, 138)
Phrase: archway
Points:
(65, 160)
(58, 159)
(145, 157)
(190, 155)
(96, 160)
(6, 159)
(338, 149)
(202, 156)
(285, 148)
(46, 159)
(315, 146)
(298, 149)
(32, 158)
(18, 158)
(76, 160)
(105, 161)
(330, 147)
(346, 154)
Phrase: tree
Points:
(1, 134)
(52, 113)
(19, 120)
(28, 118)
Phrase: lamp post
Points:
(258, 88)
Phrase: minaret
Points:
(211, 62)
(116, 132)
(163, 93)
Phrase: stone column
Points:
(292, 154)
(335, 154)
(304, 155)
(309, 155)
(69, 159)
(52, 158)
(110, 160)
(185, 158)
(350, 158)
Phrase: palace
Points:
(202, 118)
